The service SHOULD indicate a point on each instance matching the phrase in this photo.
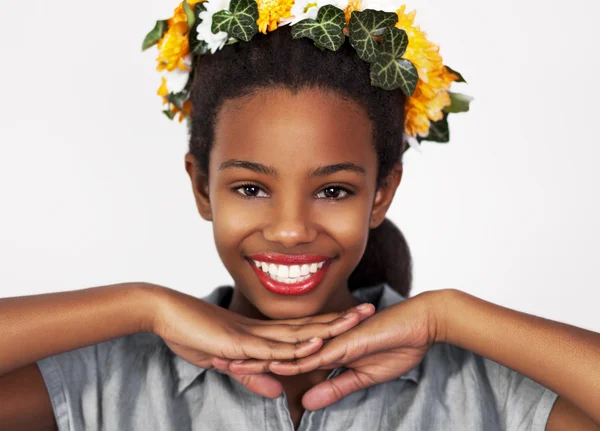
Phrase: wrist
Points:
(149, 297)
(441, 304)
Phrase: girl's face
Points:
(292, 185)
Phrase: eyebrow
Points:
(321, 171)
(252, 166)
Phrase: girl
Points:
(294, 156)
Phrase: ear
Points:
(384, 196)
(199, 186)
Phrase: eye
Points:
(334, 193)
(250, 191)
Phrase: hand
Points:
(380, 349)
(201, 333)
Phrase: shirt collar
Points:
(381, 296)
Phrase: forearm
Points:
(561, 357)
(37, 326)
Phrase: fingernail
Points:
(363, 306)
(275, 362)
(313, 340)
(347, 315)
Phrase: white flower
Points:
(214, 41)
(414, 143)
(384, 5)
(177, 79)
(308, 9)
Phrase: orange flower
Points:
(173, 47)
(352, 6)
(431, 95)
(179, 13)
(186, 109)
(162, 90)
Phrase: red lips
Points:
(281, 288)
(288, 259)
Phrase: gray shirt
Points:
(135, 382)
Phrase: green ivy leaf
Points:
(155, 34)
(189, 13)
(327, 31)
(177, 99)
(239, 22)
(169, 113)
(389, 71)
(438, 131)
(362, 28)
(460, 77)
(460, 103)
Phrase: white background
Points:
(93, 189)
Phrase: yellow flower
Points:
(179, 13)
(431, 95)
(270, 12)
(352, 6)
(162, 90)
(187, 105)
(173, 47)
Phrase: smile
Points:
(288, 274)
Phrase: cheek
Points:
(233, 220)
(347, 223)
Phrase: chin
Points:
(287, 308)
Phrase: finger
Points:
(220, 364)
(266, 349)
(261, 384)
(249, 366)
(337, 352)
(365, 310)
(333, 390)
(297, 333)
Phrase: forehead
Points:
(284, 129)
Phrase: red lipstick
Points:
(288, 259)
(282, 288)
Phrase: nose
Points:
(290, 224)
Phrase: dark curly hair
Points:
(276, 60)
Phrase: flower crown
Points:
(384, 35)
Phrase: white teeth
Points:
(283, 271)
(289, 274)
(273, 270)
(294, 271)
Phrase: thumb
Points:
(333, 390)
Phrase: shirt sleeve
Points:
(71, 379)
(523, 403)
(80, 382)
